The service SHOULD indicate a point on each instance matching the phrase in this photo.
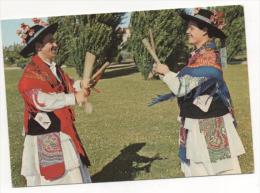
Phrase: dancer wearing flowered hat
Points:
(208, 140)
(53, 152)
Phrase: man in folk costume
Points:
(208, 140)
(53, 153)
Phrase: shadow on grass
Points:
(126, 165)
(120, 72)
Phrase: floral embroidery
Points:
(33, 94)
(209, 58)
(34, 72)
(49, 149)
(206, 57)
(216, 138)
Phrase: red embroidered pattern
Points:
(205, 58)
(49, 149)
(34, 72)
(216, 138)
(183, 136)
(51, 161)
(33, 94)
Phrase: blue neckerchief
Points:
(212, 75)
(210, 44)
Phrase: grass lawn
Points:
(125, 139)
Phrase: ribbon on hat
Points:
(223, 53)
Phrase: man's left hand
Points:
(85, 84)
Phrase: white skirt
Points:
(75, 171)
(198, 153)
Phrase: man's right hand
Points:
(160, 69)
(81, 97)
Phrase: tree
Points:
(12, 56)
(64, 36)
(90, 39)
(81, 33)
(169, 36)
(234, 29)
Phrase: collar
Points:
(51, 65)
(209, 44)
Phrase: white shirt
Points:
(51, 101)
(53, 69)
(181, 86)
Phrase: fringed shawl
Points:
(205, 65)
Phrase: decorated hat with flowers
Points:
(30, 35)
(213, 20)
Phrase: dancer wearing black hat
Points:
(208, 140)
(53, 153)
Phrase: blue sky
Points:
(126, 20)
(9, 28)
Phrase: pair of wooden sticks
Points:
(151, 49)
(93, 79)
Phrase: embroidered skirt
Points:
(212, 146)
(75, 171)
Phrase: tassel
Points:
(223, 54)
(161, 98)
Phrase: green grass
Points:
(125, 139)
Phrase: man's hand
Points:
(161, 69)
(86, 85)
(81, 96)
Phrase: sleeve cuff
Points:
(169, 77)
(70, 99)
(77, 86)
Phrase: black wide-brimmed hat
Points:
(30, 35)
(213, 20)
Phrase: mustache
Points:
(55, 49)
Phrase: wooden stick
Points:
(153, 54)
(100, 71)
(151, 73)
(88, 69)
(88, 65)
(150, 50)
(152, 40)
